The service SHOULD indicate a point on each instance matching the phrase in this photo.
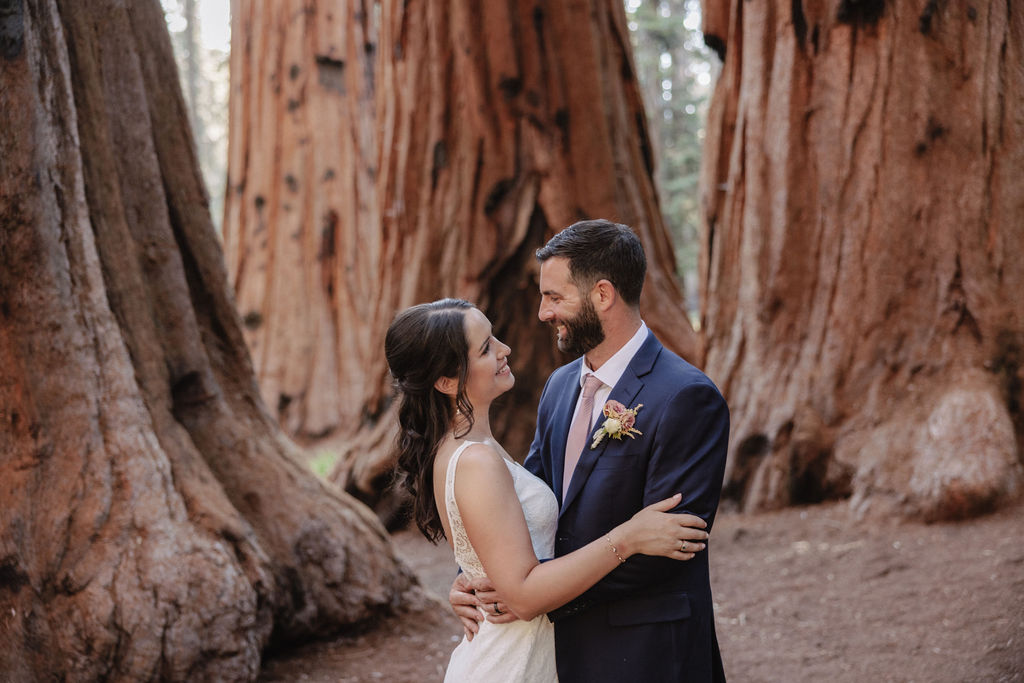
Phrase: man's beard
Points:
(583, 332)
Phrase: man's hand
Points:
(464, 604)
(474, 599)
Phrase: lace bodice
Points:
(540, 507)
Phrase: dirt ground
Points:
(808, 594)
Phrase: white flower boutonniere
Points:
(619, 421)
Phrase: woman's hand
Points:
(654, 531)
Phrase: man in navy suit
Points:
(652, 618)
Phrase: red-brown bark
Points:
(154, 521)
(863, 225)
(499, 123)
(299, 239)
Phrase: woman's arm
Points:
(494, 521)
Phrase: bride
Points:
(499, 518)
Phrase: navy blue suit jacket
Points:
(651, 619)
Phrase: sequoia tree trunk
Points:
(154, 521)
(300, 230)
(500, 123)
(864, 217)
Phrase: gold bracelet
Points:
(612, 546)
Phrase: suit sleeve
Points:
(688, 457)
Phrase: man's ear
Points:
(448, 386)
(603, 295)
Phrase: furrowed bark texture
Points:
(864, 220)
(299, 236)
(154, 521)
(502, 123)
(499, 124)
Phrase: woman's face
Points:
(489, 375)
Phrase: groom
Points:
(651, 619)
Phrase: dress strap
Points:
(449, 476)
(465, 555)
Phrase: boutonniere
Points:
(619, 421)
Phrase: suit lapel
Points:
(561, 418)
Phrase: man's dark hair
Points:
(601, 250)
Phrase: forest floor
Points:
(804, 594)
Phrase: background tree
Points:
(154, 522)
(863, 226)
(299, 234)
(675, 71)
(203, 67)
(499, 123)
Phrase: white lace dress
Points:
(523, 650)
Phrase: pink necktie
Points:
(579, 430)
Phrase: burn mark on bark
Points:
(645, 147)
(809, 454)
(538, 23)
(562, 121)
(440, 162)
(5, 309)
(283, 401)
(291, 182)
(260, 202)
(799, 22)
(12, 28)
(294, 71)
(252, 320)
(331, 73)
(189, 391)
(715, 43)
(1007, 366)
(626, 71)
(497, 194)
(935, 131)
(958, 304)
(11, 575)
(749, 455)
(924, 22)
(328, 236)
(860, 12)
(510, 87)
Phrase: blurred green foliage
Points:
(676, 73)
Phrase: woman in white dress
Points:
(499, 518)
